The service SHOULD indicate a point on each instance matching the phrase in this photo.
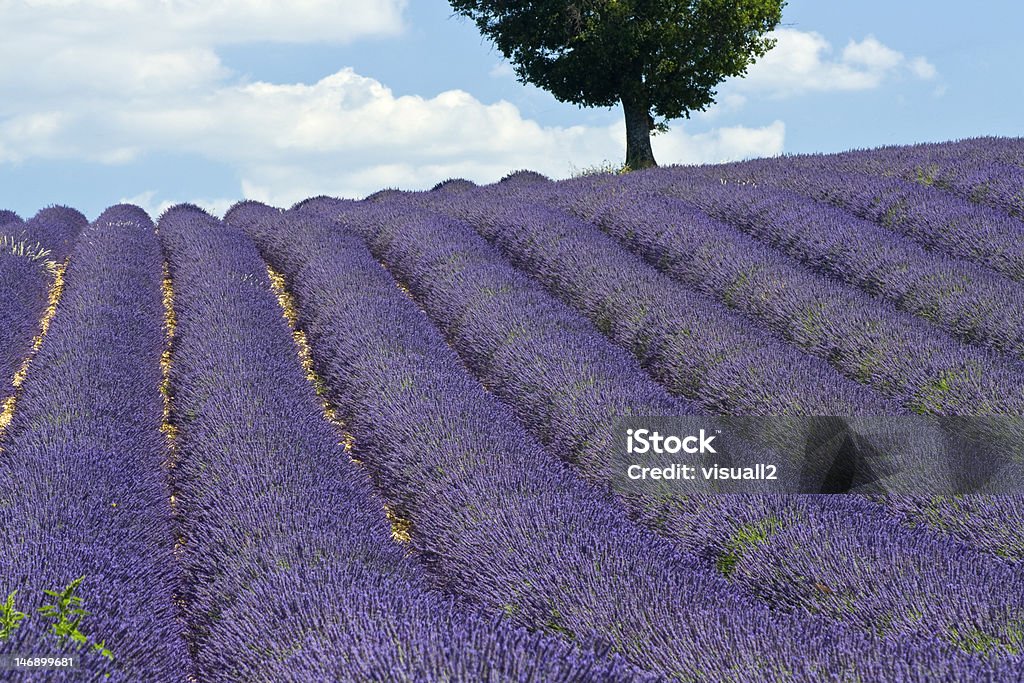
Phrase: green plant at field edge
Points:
(67, 614)
(9, 617)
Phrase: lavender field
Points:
(354, 440)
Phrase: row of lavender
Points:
(26, 250)
(938, 220)
(984, 171)
(81, 478)
(280, 523)
(50, 234)
(566, 383)
(423, 426)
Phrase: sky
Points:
(157, 102)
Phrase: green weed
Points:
(67, 614)
(9, 617)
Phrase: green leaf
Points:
(9, 617)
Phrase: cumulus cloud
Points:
(804, 61)
(152, 203)
(349, 135)
(923, 69)
(65, 49)
(284, 184)
(31, 134)
(722, 144)
(202, 22)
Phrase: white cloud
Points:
(923, 69)
(722, 144)
(118, 48)
(502, 70)
(31, 134)
(803, 62)
(348, 135)
(872, 55)
(110, 81)
(206, 22)
(154, 206)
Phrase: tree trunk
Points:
(638, 132)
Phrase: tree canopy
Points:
(662, 59)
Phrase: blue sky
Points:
(161, 102)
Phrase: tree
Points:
(658, 58)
